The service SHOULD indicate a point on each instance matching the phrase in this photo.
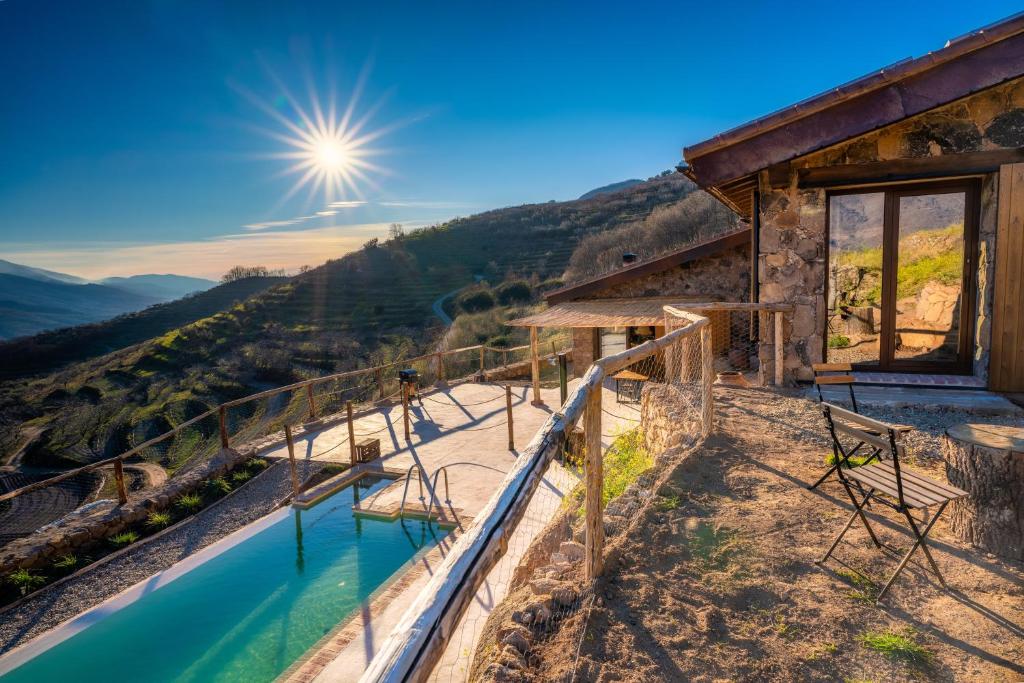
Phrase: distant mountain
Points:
(31, 305)
(614, 187)
(162, 287)
(50, 351)
(8, 268)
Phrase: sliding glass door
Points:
(900, 277)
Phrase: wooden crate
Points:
(367, 450)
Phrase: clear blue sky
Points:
(128, 144)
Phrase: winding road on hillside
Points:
(438, 306)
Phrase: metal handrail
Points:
(433, 491)
(405, 491)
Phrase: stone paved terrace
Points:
(462, 427)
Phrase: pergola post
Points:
(535, 367)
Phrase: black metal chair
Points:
(886, 482)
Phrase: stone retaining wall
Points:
(103, 518)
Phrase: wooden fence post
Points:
(291, 459)
(440, 367)
(122, 492)
(594, 472)
(223, 417)
(351, 434)
(405, 409)
(379, 376)
(535, 367)
(311, 401)
(779, 351)
(563, 378)
(707, 379)
(481, 363)
(508, 412)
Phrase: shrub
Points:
(624, 461)
(25, 581)
(476, 301)
(66, 563)
(256, 464)
(838, 341)
(218, 487)
(241, 476)
(158, 520)
(125, 538)
(189, 502)
(516, 291)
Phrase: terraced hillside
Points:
(370, 305)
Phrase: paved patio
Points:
(464, 429)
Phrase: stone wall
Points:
(721, 277)
(666, 421)
(792, 266)
(584, 349)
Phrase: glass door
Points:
(901, 285)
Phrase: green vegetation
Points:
(476, 300)
(240, 477)
(514, 292)
(713, 547)
(925, 256)
(25, 581)
(855, 460)
(256, 465)
(625, 460)
(66, 564)
(866, 590)
(898, 646)
(125, 538)
(838, 341)
(189, 502)
(158, 520)
(668, 503)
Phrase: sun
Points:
(330, 149)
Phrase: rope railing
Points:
(419, 638)
(222, 413)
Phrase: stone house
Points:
(623, 308)
(890, 212)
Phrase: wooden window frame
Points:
(887, 362)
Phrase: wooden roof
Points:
(727, 164)
(660, 264)
(601, 313)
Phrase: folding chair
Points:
(829, 379)
(821, 378)
(907, 490)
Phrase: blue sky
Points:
(133, 138)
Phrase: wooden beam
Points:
(122, 491)
(535, 367)
(780, 352)
(594, 474)
(222, 419)
(944, 166)
(508, 413)
(707, 374)
(351, 433)
(291, 459)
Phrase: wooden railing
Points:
(419, 639)
(222, 412)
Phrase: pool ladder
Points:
(433, 489)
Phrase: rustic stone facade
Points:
(792, 258)
(721, 277)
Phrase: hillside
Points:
(28, 305)
(8, 268)
(611, 187)
(51, 351)
(165, 287)
(368, 305)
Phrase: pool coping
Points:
(316, 659)
(21, 654)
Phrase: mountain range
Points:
(33, 300)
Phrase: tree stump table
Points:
(988, 462)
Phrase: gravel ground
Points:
(58, 603)
(802, 420)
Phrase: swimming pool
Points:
(245, 614)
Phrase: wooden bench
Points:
(885, 481)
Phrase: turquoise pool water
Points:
(250, 612)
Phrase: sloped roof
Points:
(601, 313)
(660, 264)
(726, 165)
